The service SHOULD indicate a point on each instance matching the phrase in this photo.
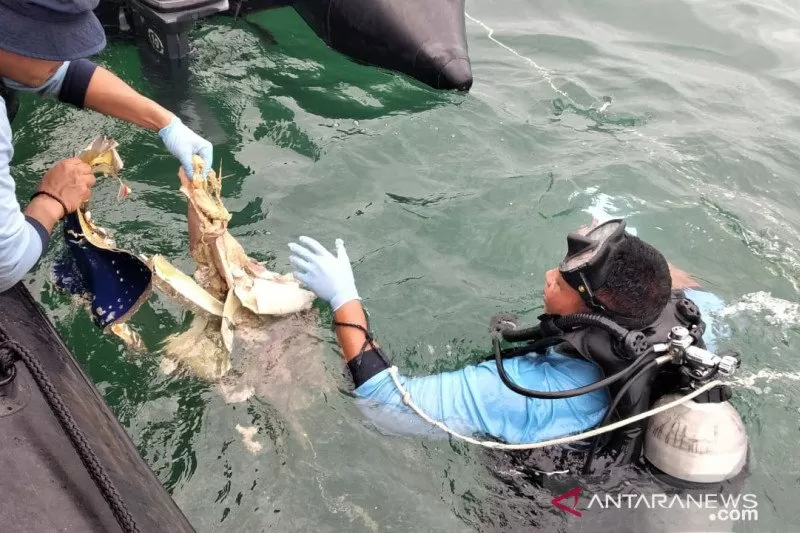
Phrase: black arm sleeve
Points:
(76, 82)
(365, 365)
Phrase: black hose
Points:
(570, 393)
(565, 323)
(537, 346)
(587, 465)
(592, 320)
(523, 334)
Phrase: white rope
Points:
(553, 442)
(543, 72)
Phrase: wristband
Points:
(366, 365)
(54, 197)
(368, 362)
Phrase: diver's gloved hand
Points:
(183, 143)
(328, 276)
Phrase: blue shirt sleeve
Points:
(475, 401)
(710, 305)
(69, 83)
(75, 82)
(21, 244)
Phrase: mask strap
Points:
(587, 295)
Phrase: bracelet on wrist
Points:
(54, 197)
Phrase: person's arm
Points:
(84, 84)
(331, 278)
(445, 397)
(350, 338)
(109, 95)
(472, 400)
(681, 279)
(22, 239)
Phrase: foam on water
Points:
(780, 312)
(764, 374)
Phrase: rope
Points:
(553, 442)
(89, 459)
(8, 370)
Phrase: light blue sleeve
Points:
(710, 305)
(20, 244)
(49, 88)
(474, 401)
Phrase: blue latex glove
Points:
(329, 277)
(183, 143)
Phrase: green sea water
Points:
(679, 115)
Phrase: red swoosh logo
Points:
(574, 493)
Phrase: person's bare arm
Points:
(681, 279)
(351, 339)
(109, 95)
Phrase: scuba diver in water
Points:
(619, 336)
(43, 46)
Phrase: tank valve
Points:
(728, 365)
(679, 341)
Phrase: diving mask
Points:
(584, 268)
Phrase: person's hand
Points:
(69, 181)
(183, 143)
(63, 189)
(329, 277)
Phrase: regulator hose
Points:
(549, 324)
(570, 393)
(548, 329)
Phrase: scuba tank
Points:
(697, 442)
(700, 441)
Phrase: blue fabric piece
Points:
(76, 82)
(474, 400)
(116, 281)
(67, 275)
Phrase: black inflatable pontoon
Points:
(422, 38)
(45, 483)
